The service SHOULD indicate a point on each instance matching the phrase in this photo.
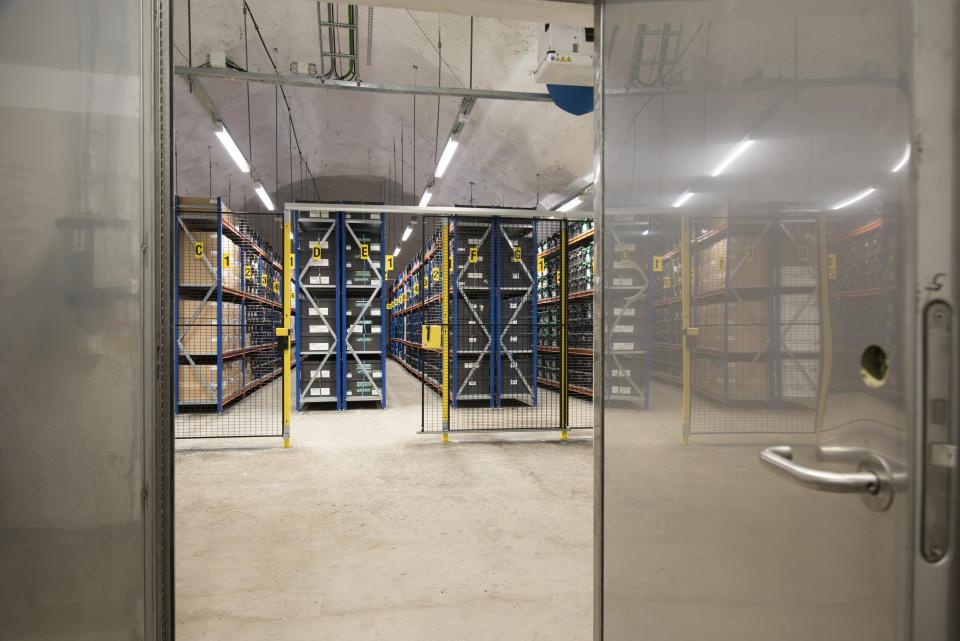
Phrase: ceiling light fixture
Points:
(853, 199)
(425, 199)
(264, 196)
(684, 197)
(406, 233)
(446, 157)
(903, 161)
(224, 137)
(735, 153)
(396, 250)
(570, 204)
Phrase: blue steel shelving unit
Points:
(195, 216)
(340, 230)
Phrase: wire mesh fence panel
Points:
(497, 332)
(227, 306)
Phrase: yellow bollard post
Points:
(445, 328)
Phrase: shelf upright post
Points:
(445, 328)
(284, 335)
(450, 266)
(296, 292)
(219, 306)
(647, 242)
(534, 337)
(495, 301)
(176, 307)
(564, 356)
(774, 357)
(341, 313)
(825, 328)
(685, 286)
(383, 312)
(726, 316)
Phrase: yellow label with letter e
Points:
(365, 251)
(658, 263)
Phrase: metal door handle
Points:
(872, 480)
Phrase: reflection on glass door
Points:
(756, 158)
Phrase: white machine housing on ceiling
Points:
(565, 56)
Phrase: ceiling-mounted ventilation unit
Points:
(565, 56)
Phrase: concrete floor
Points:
(367, 530)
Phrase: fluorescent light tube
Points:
(903, 161)
(684, 197)
(853, 199)
(645, 232)
(570, 204)
(406, 233)
(396, 250)
(427, 195)
(446, 157)
(735, 153)
(264, 196)
(224, 137)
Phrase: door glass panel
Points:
(755, 190)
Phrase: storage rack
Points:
(340, 265)
(630, 303)
(318, 327)
(515, 350)
(473, 310)
(550, 326)
(755, 302)
(364, 308)
(493, 310)
(227, 305)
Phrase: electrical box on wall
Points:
(565, 56)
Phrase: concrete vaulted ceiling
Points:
(348, 138)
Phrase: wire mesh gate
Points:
(229, 319)
(494, 315)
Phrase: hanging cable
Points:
(283, 93)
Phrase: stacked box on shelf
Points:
(756, 305)
(317, 237)
(226, 346)
(364, 308)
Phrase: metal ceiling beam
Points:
(292, 80)
(542, 214)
